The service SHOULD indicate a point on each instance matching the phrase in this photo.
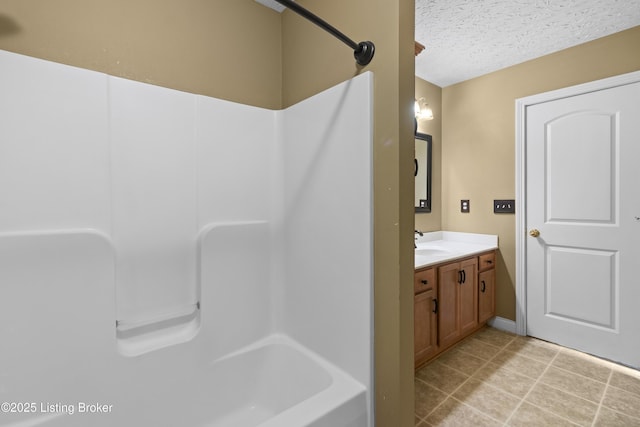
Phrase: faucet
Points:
(419, 233)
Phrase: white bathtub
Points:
(59, 355)
(273, 383)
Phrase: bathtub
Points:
(273, 383)
(69, 372)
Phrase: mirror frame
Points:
(425, 204)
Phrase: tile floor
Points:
(494, 378)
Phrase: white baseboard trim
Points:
(503, 324)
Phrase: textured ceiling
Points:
(469, 38)
(272, 4)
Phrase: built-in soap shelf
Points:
(161, 330)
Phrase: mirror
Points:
(422, 172)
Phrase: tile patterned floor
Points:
(494, 378)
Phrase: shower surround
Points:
(173, 259)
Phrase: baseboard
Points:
(503, 324)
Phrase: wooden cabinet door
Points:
(468, 308)
(424, 324)
(486, 295)
(448, 291)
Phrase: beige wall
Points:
(202, 46)
(241, 51)
(432, 221)
(313, 61)
(478, 131)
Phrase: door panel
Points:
(582, 157)
(581, 286)
(593, 200)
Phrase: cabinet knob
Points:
(424, 282)
(484, 286)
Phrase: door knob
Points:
(534, 233)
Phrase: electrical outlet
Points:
(464, 206)
(504, 206)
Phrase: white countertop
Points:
(444, 246)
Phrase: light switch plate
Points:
(504, 206)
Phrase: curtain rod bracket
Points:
(363, 52)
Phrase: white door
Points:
(583, 198)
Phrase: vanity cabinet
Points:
(451, 301)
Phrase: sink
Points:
(431, 252)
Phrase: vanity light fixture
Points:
(422, 109)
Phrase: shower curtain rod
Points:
(363, 51)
